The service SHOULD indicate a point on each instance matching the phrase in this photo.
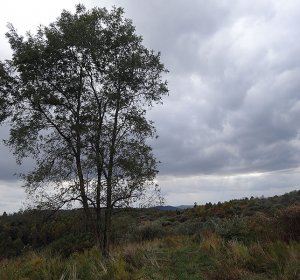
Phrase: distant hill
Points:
(247, 238)
(243, 206)
(173, 208)
(167, 208)
(185, 206)
(67, 231)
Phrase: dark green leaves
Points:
(76, 94)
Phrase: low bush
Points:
(149, 231)
(288, 223)
(69, 244)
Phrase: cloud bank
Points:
(230, 127)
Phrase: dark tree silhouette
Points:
(76, 95)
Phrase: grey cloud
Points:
(177, 27)
(12, 196)
(212, 188)
(238, 108)
(234, 104)
(9, 170)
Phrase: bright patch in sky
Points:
(230, 127)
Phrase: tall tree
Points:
(77, 94)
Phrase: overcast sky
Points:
(230, 126)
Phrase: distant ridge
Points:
(185, 206)
(173, 208)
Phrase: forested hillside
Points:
(250, 237)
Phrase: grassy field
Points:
(251, 239)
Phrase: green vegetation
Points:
(257, 238)
(75, 97)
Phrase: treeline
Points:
(33, 229)
(66, 231)
(249, 206)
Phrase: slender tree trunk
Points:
(108, 210)
(82, 190)
(98, 213)
(99, 188)
(107, 231)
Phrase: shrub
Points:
(277, 259)
(123, 228)
(234, 228)
(190, 227)
(118, 270)
(149, 231)
(262, 227)
(71, 243)
(289, 223)
(211, 243)
(238, 252)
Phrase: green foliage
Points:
(118, 270)
(76, 95)
(123, 227)
(149, 231)
(234, 228)
(173, 257)
(33, 267)
(276, 260)
(289, 223)
(158, 245)
(190, 227)
(69, 244)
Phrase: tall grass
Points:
(172, 257)
(260, 247)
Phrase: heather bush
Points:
(234, 228)
(289, 223)
(149, 231)
(189, 227)
(69, 244)
(149, 244)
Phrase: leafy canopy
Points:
(76, 96)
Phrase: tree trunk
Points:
(107, 232)
(98, 219)
(108, 210)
